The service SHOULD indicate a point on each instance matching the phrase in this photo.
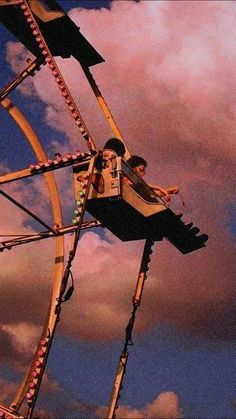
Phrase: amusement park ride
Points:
(127, 209)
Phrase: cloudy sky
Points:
(169, 78)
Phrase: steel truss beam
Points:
(28, 71)
(43, 167)
(23, 239)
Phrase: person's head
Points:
(138, 164)
(113, 148)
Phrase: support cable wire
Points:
(121, 369)
(72, 252)
(27, 211)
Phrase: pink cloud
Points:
(44, 413)
(23, 335)
(8, 390)
(166, 405)
(168, 78)
(17, 57)
(50, 385)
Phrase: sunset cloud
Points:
(8, 390)
(22, 335)
(168, 78)
(166, 405)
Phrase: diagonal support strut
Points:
(28, 212)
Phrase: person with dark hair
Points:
(113, 148)
(139, 165)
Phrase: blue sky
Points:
(200, 370)
(197, 370)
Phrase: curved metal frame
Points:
(51, 320)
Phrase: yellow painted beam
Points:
(34, 142)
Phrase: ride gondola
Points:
(130, 210)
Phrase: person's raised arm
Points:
(173, 189)
(164, 192)
(160, 192)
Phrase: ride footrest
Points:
(183, 236)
